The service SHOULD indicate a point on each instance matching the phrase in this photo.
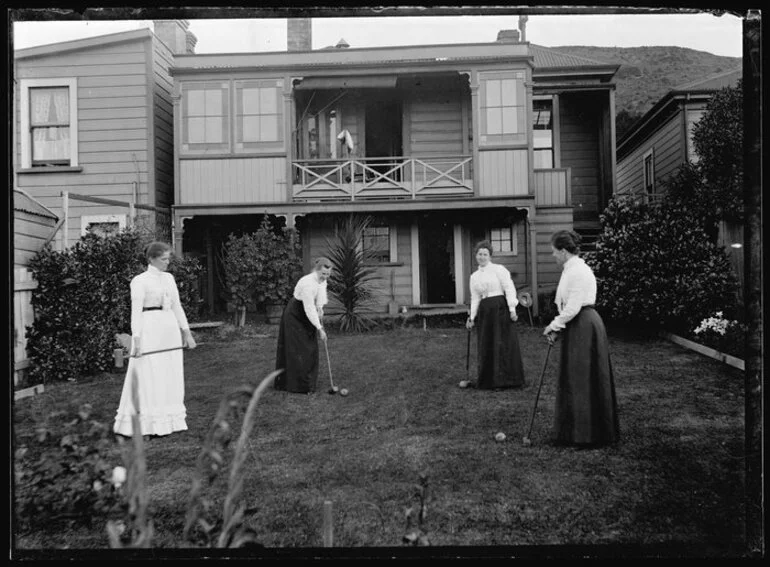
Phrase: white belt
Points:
(493, 294)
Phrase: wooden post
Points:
(328, 525)
(65, 204)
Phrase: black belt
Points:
(152, 308)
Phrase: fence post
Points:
(328, 528)
(131, 211)
(65, 204)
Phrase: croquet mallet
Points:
(332, 388)
(526, 441)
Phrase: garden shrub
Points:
(655, 265)
(66, 472)
(83, 299)
(352, 278)
(187, 271)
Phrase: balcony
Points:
(382, 178)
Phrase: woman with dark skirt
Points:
(586, 407)
(300, 326)
(493, 313)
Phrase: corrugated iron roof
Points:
(22, 201)
(711, 83)
(545, 57)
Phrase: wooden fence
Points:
(23, 315)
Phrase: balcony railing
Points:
(382, 178)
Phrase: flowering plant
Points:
(725, 335)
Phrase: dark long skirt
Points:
(586, 407)
(297, 351)
(499, 359)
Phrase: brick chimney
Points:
(508, 36)
(299, 35)
(176, 36)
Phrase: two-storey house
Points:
(443, 145)
(93, 118)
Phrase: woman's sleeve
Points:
(475, 299)
(176, 305)
(322, 298)
(308, 302)
(137, 303)
(506, 282)
(573, 300)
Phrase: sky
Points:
(719, 35)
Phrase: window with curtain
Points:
(502, 104)
(376, 240)
(49, 123)
(206, 116)
(258, 115)
(542, 133)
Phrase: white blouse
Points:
(490, 281)
(154, 288)
(312, 293)
(577, 288)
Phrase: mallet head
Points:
(332, 391)
(526, 441)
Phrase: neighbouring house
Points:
(93, 129)
(661, 141)
(33, 226)
(443, 145)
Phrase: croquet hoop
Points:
(525, 299)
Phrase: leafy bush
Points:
(261, 267)
(65, 473)
(187, 271)
(655, 265)
(351, 280)
(83, 298)
(724, 335)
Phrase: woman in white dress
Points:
(493, 312)
(158, 322)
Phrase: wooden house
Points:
(661, 140)
(93, 128)
(443, 145)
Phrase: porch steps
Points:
(589, 236)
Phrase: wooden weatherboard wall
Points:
(123, 122)
(579, 126)
(548, 221)
(667, 143)
(233, 180)
(503, 173)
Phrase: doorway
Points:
(383, 133)
(437, 273)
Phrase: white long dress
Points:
(160, 376)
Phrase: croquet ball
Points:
(344, 392)
(336, 388)
(463, 383)
(500, 436)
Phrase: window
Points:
(205, 117)
(693, 116)
(380, 241)
(502, 103)
(49, 133)
(649, 173)
(103, 225)
(259, 116)
(542, 133)
(504, 240)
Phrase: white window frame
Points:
(201, 148)
(87, 220)
(514, 240)
(26, 136)
(645, 181)
(393, 241)
(504, 138)
(547, 98)
(276, 144)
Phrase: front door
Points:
(437, 272)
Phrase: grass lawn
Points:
(674, 485)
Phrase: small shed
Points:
(33, 226)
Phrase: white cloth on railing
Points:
(347, 139)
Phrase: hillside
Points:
(648, 73)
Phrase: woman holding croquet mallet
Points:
(300, 327)
(159, 332)
(493, 313)
(586, 406)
